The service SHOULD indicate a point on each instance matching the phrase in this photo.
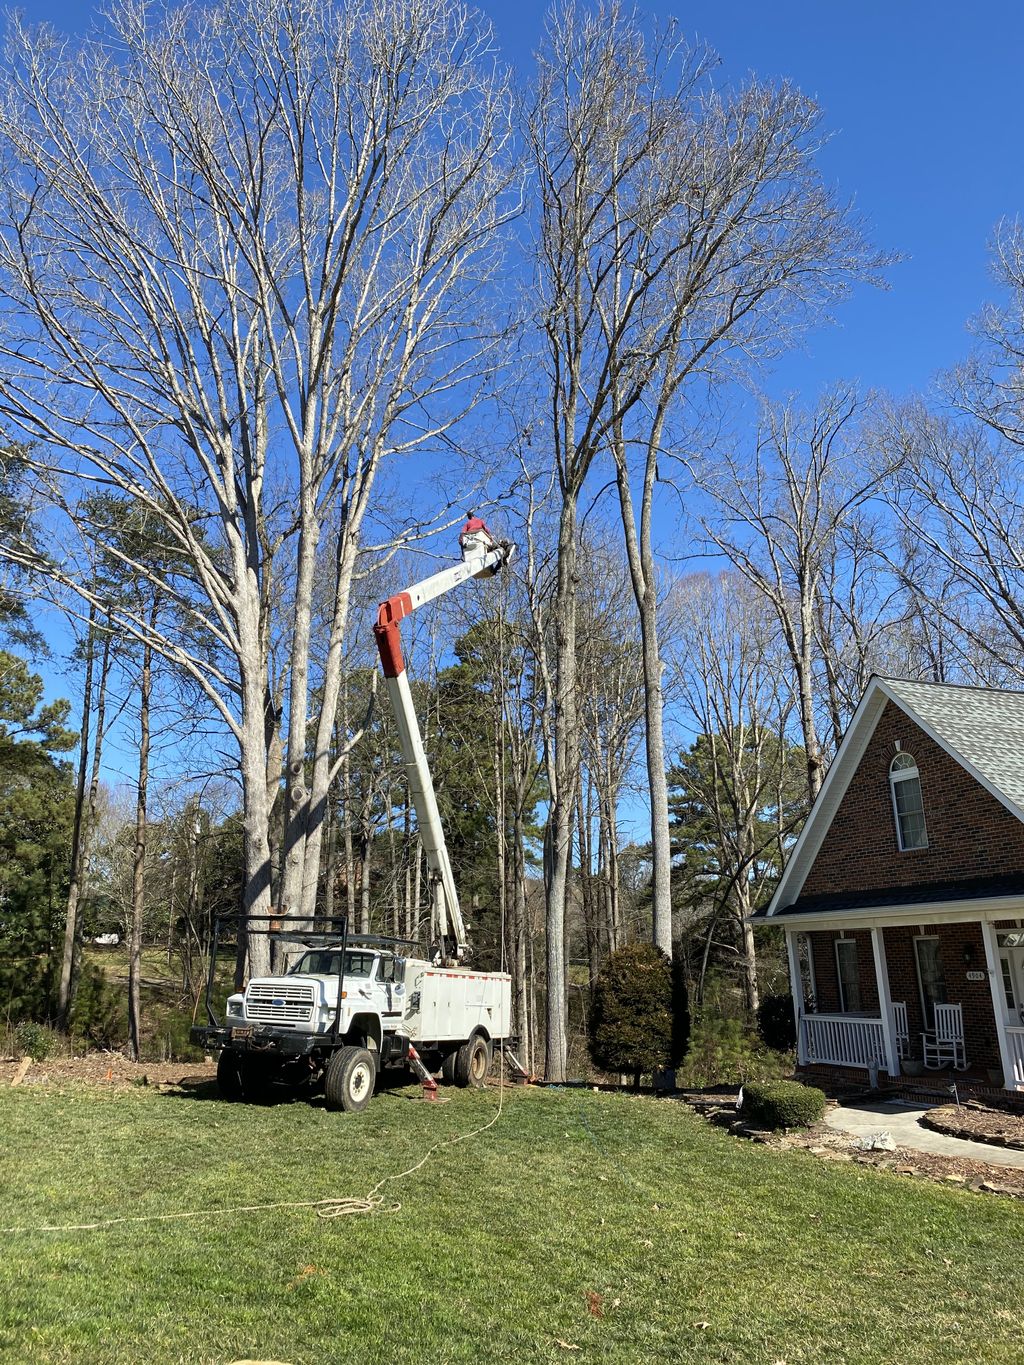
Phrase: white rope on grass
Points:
(330, 1207)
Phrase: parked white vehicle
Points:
(293, 1027)
(346, 1007)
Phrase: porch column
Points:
(885, 1003)
(995, 980)
(796, 987)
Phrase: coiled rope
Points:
(330, 1207)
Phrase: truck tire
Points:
(257, 1080)
(448, 1067)
(472, 1062)
(229, 1075)
(349, 1081)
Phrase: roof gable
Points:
(981, 729)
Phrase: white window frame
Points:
(844, 1006)
(805, 954)
(906, 774)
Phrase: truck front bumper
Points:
(258, 1038)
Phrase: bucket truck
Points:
(349, 1005)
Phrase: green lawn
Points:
(622, 1227)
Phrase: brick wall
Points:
(826, 970)
(980, 1039)
(970, 834)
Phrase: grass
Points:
(581, 1227)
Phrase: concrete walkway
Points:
(901, 1121)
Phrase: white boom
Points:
(482, 556)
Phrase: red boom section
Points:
(389, 643)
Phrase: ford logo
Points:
(278, 1001)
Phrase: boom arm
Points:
(482, 556)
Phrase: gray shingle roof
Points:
(984, 726)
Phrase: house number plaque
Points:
(976, 976)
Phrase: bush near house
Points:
(782, 1104)
(776, 1023)
(638, 1016)
(726, 1052)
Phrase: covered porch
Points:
(937, 1001)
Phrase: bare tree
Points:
(960, 495)
(677, 224)
(778, 516)
(741, 786)
(612, 713)
(241, 252)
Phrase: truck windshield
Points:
(327, 962)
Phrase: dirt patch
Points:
(107, 1069)
(831, 1145)
(977, 1123)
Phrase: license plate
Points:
(241, 1033)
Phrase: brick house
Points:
(903, 899)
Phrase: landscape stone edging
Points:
(928, 1120)
(900, 1162)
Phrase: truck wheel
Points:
(472, 1062)
(257, 1081)
(349, 1081)
(229, 1075)
(448, 1067)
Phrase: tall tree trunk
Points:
(139, 864)
(71, 921)
(346, 790)
(396, 910)
(417, 891)
(330, 862)
(564, 789)
(640, 554)
(588, 899)
(91, 814)
(750, 984)
(520, 934)
(364, 869)
(254, 946)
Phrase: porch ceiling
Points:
(882, 914)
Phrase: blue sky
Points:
(923, 104)
(923, 100)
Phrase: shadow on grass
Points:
(392, 1083)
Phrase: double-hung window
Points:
(907, 802)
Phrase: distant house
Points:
(903, 899)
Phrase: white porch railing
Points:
(845, 1040)
(1015, 1043)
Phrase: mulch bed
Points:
(977, 1123)
(110, 1070)
(830, 1145)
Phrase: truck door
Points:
(391, 974)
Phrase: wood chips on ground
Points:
(978, 1123)
(110, 1069)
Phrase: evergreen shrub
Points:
(775, 1022)
(96, 1017)
(638, 1019)
(35, 1040)
(726, 1052)
(782, 1104)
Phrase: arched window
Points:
(907, 802)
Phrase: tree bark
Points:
(71, 922)
(139, 863)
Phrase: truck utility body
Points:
(343, 1007)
